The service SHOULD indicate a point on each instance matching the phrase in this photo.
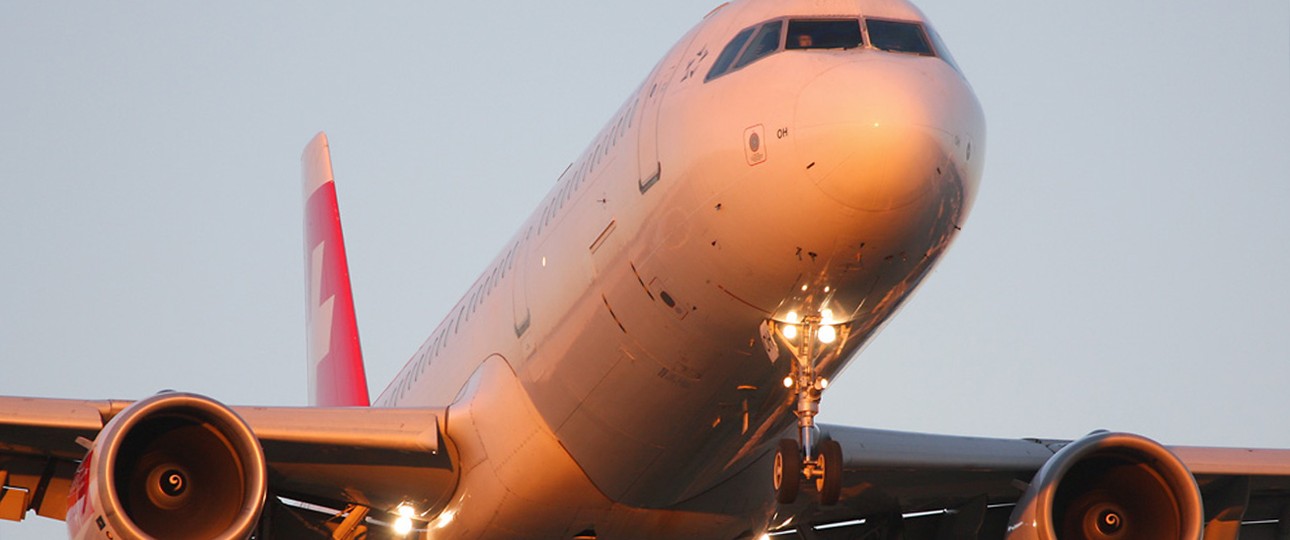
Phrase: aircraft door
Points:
(650, 100)
(647, 151)
(651, 97)
(523, 318)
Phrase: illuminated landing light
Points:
(791, 317)
(543, 262)
(790, 332)
(828, 334)
(788, 382)
(824, 383)
(403, 525)
(803, 288)
(826, 316)
(826, 288)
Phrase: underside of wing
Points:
(1117, 485)
(898, 482)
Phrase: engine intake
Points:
(1110, 486)
(172, 466)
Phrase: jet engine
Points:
(1110, 486)
(171, 466)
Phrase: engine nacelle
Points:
(1110, 486)
(171, 466)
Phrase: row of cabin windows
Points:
(759, 41)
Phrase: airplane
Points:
(683, 391)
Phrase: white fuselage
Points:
(610, 357)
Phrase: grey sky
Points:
(1123, 267)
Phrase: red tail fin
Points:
(336, 375)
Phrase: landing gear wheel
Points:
(788, 471)
(830, 484)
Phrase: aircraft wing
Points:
(924, 486)
(373, 457)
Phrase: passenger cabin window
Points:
(896, 36)
(821, 34)
(765, 42)
(728, 54)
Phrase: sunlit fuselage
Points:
(628, 308)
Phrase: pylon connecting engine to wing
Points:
(813, 339)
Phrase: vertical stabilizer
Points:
(336, 375)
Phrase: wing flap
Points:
(36, 483)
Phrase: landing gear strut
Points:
(806, 458)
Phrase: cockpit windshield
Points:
(759, 41)
(896, 36)
(728, 54)
(833, 34)
(765, 43)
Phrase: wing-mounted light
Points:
(1110, 486)
(174, 465)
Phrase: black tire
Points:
(830, 486)
(788, 471)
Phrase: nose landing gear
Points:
(791, 466)
(806, 459)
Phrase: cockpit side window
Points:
(941, 50)
(824, 34)
(728, 54)
(897, 36)
(764, 43)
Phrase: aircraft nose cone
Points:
(875, 134)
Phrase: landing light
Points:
(788, 382)
(403, 525)
(790, 332)
(826, 316)
(791, 318)
(828, 334)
